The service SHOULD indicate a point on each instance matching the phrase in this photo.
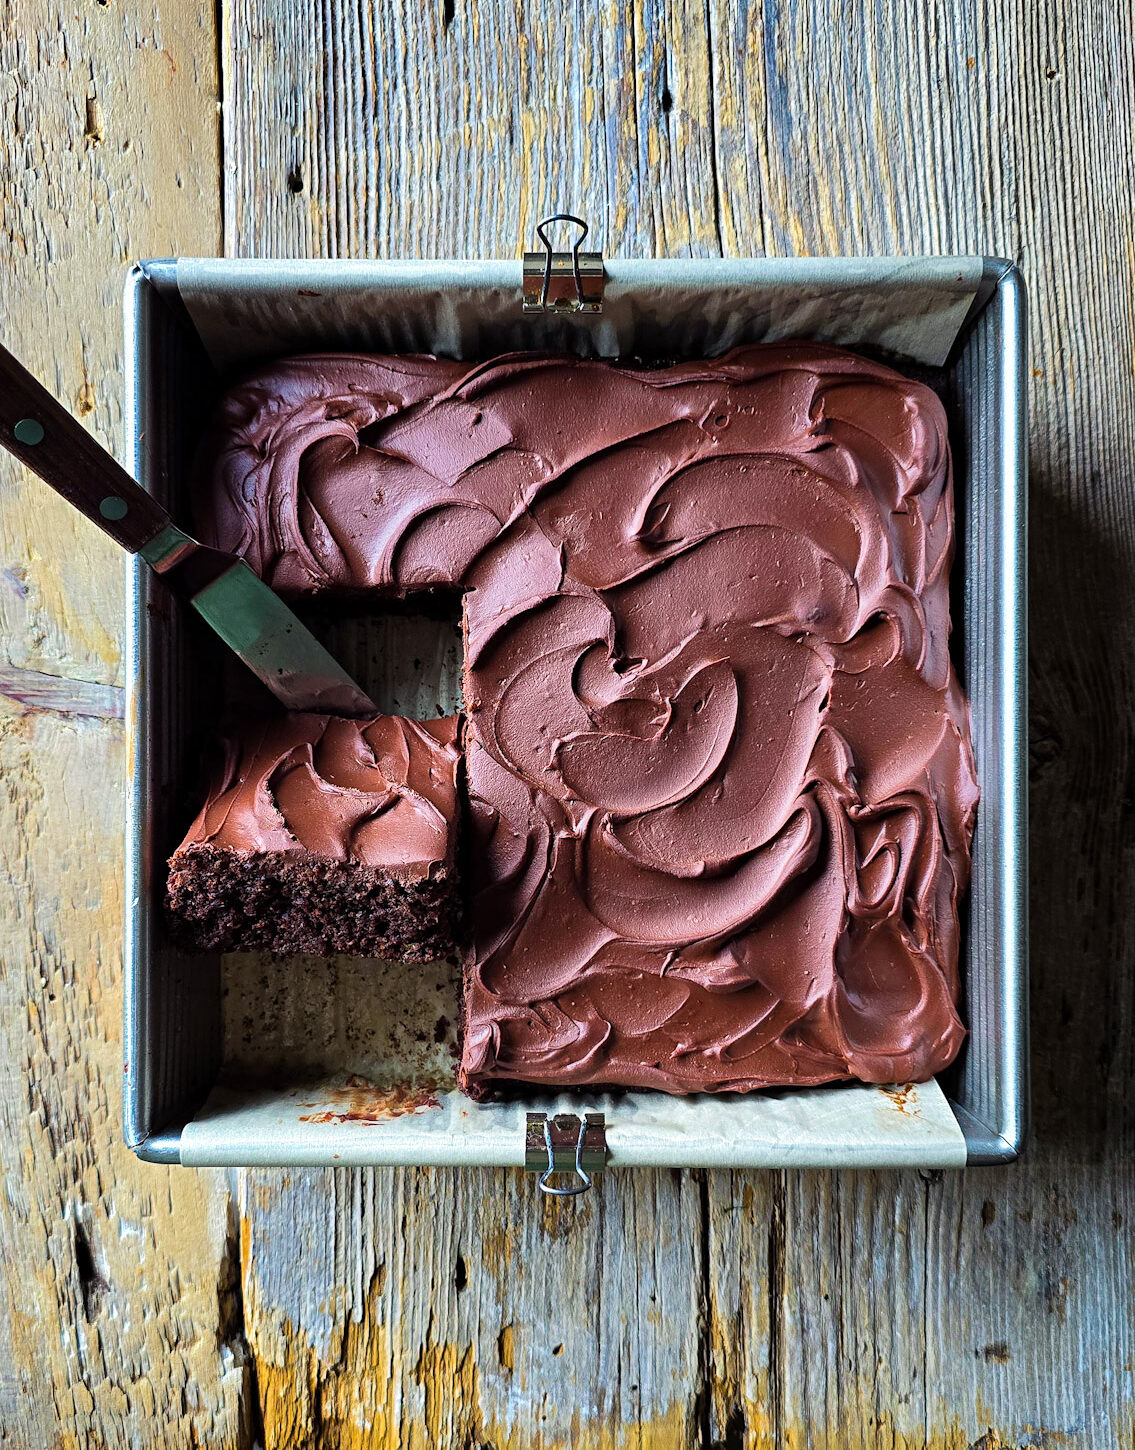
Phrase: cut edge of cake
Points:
(321, 835)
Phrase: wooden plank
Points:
(479, 1316)
(859, 1309)
(991, 1308)
(451, 130)
(988, 1309)
(119, 1312)
(428, 1308)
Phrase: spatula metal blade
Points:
(276, 646)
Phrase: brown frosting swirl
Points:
(379, 792)
(721, 786)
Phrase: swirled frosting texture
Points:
(381, 792)
(721, 787)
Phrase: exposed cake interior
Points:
(324, 836)
(719, 777)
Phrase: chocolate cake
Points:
(720, 785)
(325, 835)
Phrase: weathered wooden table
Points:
(149, 1307)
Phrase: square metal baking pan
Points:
(192, 324)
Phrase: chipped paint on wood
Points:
(423, 1319)
(303, 1405)
(972, 1312)
(118, 1311)
(843, 1310)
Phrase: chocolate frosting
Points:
(379, 792)
(721, 786)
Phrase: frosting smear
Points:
(721, 789)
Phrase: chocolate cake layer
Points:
(325, 835)
(719, 771)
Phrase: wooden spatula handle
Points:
(52, 443)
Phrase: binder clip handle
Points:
(550, 251)
(582, 1179)
(563, 281)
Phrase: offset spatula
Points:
(243, 610)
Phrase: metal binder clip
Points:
(565, 1144)
(563, 281)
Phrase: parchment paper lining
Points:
(912, 308)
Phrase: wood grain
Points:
(978, 1311)
(964, 129)
(855, 1309)
(70, 460)
(573, 1324)
(119, 1319)
(450, 1309)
